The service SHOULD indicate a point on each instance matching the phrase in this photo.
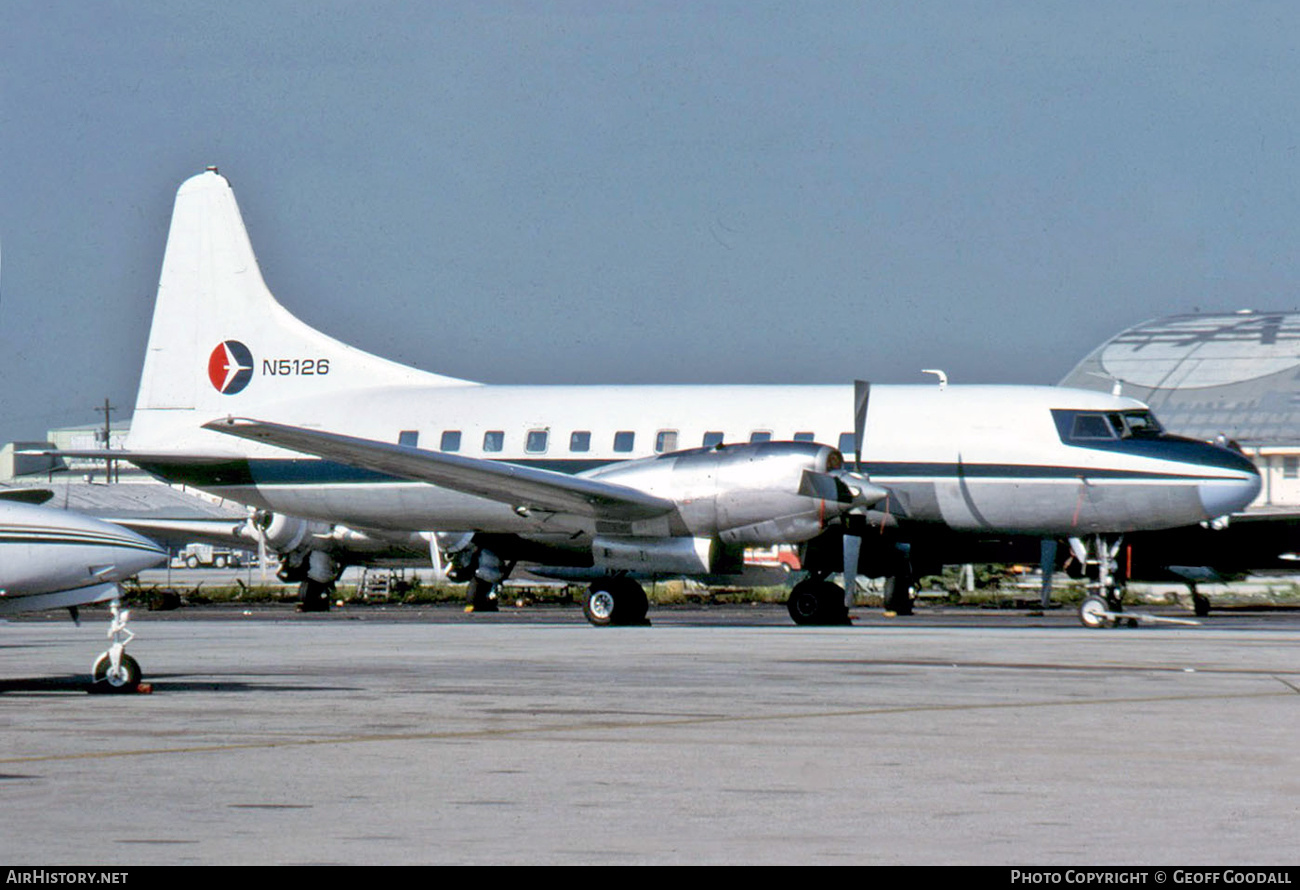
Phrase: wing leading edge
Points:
(507, 483)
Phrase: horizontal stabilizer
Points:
(507, 483)
(136, 457)
(26, 495)
(219, 532)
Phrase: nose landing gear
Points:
(114, 671)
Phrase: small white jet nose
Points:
(145, 555)
(126, 551)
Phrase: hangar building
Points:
(1232, 374)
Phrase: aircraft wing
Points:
(500, 481)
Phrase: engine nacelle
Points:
(667, 556)
(284, 534)
(758, 493)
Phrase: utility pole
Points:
(108, 432)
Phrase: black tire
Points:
(219, 562)
(191, 561)
(898, 594)
(1090, 612)
(616, 602)
(483, 596)
(817, 603)
(313, 596)
(1200, 605)
(128, 682)
(633, 604)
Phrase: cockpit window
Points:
(1096, 427)
(1091, 426)
(1136, 423)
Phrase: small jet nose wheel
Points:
(114, 670)
(124, 677)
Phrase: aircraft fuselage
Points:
(971, 458)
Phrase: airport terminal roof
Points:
(1206, 374)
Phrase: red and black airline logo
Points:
(230, 367)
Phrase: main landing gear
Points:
(816, 601)
(315, 596)
(617, 600)
(114, 670)
(482, 596)
(486, 572)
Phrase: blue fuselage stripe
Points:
(311, 471)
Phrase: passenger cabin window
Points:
(805, 437)
(712, 439)
(494, 440)
(580, 441)
(624, 441)
(848, 443)
(450, 440)
(665, 440)
(1290, 467)
(409, 438)
(536, 442)
(760, 436)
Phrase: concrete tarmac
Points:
(719, 735)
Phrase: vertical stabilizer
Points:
(221, 344)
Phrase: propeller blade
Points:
(1047, 562)
(435, 556)
(852, 550)
(861, 395)
(260, 533)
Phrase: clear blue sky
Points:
(650, 192)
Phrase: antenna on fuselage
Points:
(943, 377)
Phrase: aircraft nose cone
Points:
(1222, 497)
(139, 560)
(135, 553)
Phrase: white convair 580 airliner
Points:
(609, 483)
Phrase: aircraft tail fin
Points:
(221, 344)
